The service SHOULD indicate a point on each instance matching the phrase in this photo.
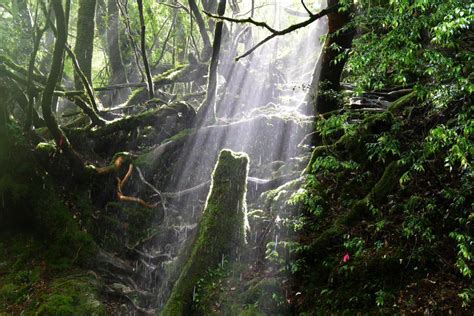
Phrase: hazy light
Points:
(262, 92)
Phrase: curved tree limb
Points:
(306, 8)
(58, 135)
(274, 33)
(85, 82)
(123, 197)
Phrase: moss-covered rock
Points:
(72, 295)
(221, 230)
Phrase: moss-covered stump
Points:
(221, 230)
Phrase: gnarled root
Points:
(123, 197)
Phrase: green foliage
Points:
(394, 189)
(208, 286)
(31, 202)
(34, 282)
(465, 256)
(417, 42)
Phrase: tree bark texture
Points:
(84, 45)
(221, 230)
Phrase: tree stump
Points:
(221, 230)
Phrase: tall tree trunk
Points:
(53, 77)
(202, 29)
(207, 111)
(327, 71)
(118, 73)
(151, 89)
(84, 46)
(211, 7)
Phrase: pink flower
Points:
(346, 257)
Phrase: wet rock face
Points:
(221, 230)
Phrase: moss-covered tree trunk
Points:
(60, 138)
(221, 231)
(327, 70)
(85, 39)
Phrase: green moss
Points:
(377, 195)
(123, 224)
(326, 239)
(221, 230)
(32, 284)
(260, 296)
(68, 242)
(47, 147)
(137, 96)
(140, 95)
(354, 144)
(72, 295)
(276, 201)
(387, 183)
(225, 293)
(180, 135)
(11, 294)
(251, 311)
(405, 100)
(170, 73)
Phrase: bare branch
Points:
(126, 20)
(306, 8)
(165, 43)
(151, 89)
(148, 184)
(240, 21)
(178, 5)
(275, 33)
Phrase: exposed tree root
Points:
(123, 197)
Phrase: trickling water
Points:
(260, 110)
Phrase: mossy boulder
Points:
(221, 230)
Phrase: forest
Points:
(236, 157)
